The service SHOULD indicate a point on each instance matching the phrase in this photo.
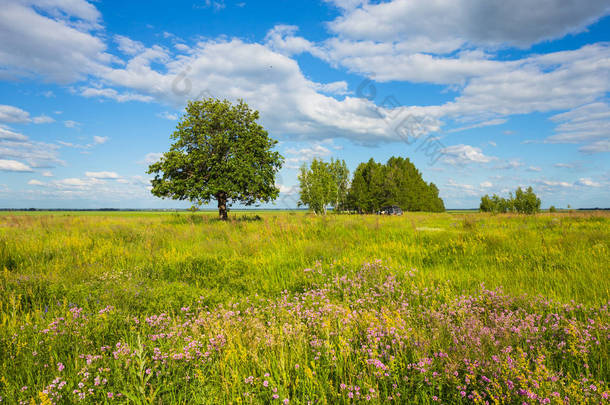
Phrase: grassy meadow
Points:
(289, 307)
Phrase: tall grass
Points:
(266, 292)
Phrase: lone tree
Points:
(220, 152)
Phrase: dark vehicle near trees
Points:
(391, 210)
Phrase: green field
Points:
(286, 306)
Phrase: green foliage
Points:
(220, 152)
(323, 184)
(398, 182)
(552, 209)
(524, 202)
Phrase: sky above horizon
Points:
(482, 96)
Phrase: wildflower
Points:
(110, 395)
(60, 367)
(286, 401)
(275, 396)
(265, 383)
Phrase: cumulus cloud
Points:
(52, 39)
(151, 158)
(296, 157)
(168, 116)
(114, 95)
(16, 146)
(97, 140)
(102, 175)
(589, 124)
(477, 22)
(588, 183)
(35, 182)
(12, 114)
(461, 155)
(13, 166)
(7, 134)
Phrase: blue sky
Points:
(482, 96)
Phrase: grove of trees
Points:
(374, 185)
(523, 202)
(323, 185)
(219, 152)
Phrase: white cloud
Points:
(47, 173)
(9, 113)
(215, 5)
(461, 155)
(553, 183)
(71, 124)
(467, 189)
(102, 175)
(486, 184)
(534, 169)
(168, 116)
(7, 134)
(596, 147)
(98, 140)
(271, 82)
(588, 124)
(128, 46)
(296, 157)
(509, 164)
(35, 154)
(475, 22)
(588, 183)
(42, 119)
(151, 158)
(35, 182)
(12, 114)
(51, 38)
(114, 95)
(13, 166)
(496, 121)
(564, 165)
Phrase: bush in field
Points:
(523, 202)
(220, 152)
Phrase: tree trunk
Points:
(222, 205)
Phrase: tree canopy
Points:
(398, 182)
(219, 152)
(323, 184)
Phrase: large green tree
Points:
(219, 152)
(398, 182)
